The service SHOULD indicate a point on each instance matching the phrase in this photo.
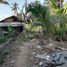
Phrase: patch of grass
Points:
(3, 55)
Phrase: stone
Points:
(40, 56)
(12, 61)
(40, 63)
(37, 42)
(50, 44)
(48, 58)
(39, 47)
(33, 53)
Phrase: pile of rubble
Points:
(54, 56)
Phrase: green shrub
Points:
(10, 29)
(3, 40)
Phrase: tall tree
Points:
(25, 6)
(15, 8)
(25, 16)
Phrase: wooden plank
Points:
(1, 32)
(14, 24)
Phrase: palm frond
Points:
(4, 2)
(54, 4)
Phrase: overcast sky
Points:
(5, 10)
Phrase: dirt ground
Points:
(20, 55)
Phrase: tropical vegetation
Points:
(52, 25)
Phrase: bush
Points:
(3, 40)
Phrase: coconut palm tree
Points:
(40, 14)
(15, 8)
(3, 2)
(24, 14)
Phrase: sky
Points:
(5, 10)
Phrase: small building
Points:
(12, 21)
